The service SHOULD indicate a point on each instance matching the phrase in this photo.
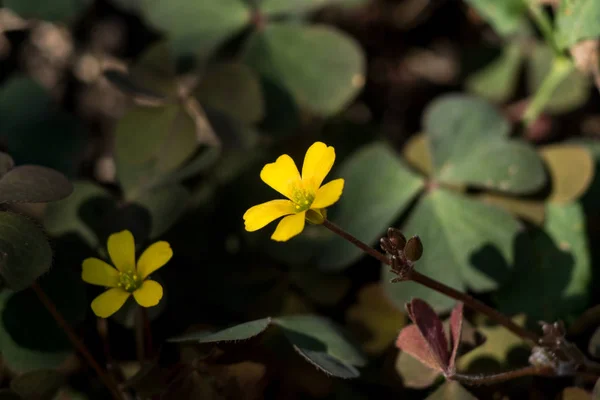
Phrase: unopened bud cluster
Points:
(404, 253)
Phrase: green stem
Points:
(561, 67)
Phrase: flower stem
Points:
(79, 345)
(531, 370)
(561, 67)
(417, 277)
(541, 20)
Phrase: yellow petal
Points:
(97, 272)
(328, 194)
(109, 302)
(318, 161)
(281, 175)
(121, 248)
(289, 227)
(261, 215)
(149, 294)
(154, 257)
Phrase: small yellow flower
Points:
(307, 198)
(127, 278)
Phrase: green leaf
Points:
(197, 27)
(233, 89)
(570, 94)
(42, 384)
(504, 16)
(24, 317)
(295, 7)
(323, 68)
(25, 251)
(55, 11)
(378, 187)
(169, 141)
(166, 204)
(155, 71)
(244, 331)
(155, 122)
(466, 244)
(451, 390)
(577, 20)
(594, 344)
(322, 343)
(79, 213)
(128, 85)
(33, 184)
(468, 141)
(558, 260)
(497, 81)
(35, 130)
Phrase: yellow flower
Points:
(127, 278)
(307, 198)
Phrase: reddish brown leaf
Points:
(431, 328)
(456, 323)
(412, 342)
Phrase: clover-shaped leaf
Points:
(469, 145)
(332, 70)
(467, 244)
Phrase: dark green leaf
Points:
(504, 16)
(155, 70)
(466, 244)
(197, 27)
(165, 205)
(577, 20)
(80, 213)
(331, 71)
(233, 89)
(594, 344)
(35, 130)
(378, 187)
(42, 384)
(33, 184)
(24, 251)
(558, 260)
(295, 7)
(24, 317)
(127, 85)
(55, 11)
(323, 344)
(243, 331)
(154, 122)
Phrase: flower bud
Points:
(413, 249)
(397, 239)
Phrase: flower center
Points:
(129, 281)
(302, 197)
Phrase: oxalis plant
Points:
(307, 199)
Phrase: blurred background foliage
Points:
(470, 123)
